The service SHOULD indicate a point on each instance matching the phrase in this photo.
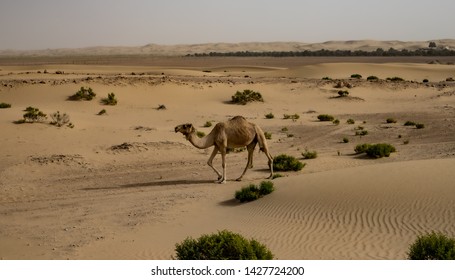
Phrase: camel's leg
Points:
(249, 163)
(269, 156)
(223, 164)
(210, 162)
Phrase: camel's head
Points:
(185, 129)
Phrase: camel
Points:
(235, 133)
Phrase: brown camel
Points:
(235, 133)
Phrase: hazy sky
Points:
(41, 24)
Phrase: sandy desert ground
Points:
(125, 186)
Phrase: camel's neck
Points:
(200, 143)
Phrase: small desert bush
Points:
(350, 121)
(326, 78)
(268, 135)
(391, 120)
(246, 96)
(356, 76)
(380, 150)
(336, 122)
(32, 115)
(395, 79)
(200, 134)
(343, 93)
(291, 117)
(110, 100)
(361, 133)
(83, 94)
(425, 81)
(161, 107)
(309, 154)
(224, 245)
(361, 148)
(61, 120)
(102, 112)
(4, 105)
(269, 116)
(253, 192)
(432, 246)
(409, 123)
(276, 175)
(420, 125)
(208, 124)
(372, 78)
(325, 118)
(287, 163)
(345, 140)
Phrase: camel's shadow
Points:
(161, 183)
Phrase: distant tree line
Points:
(324, 52)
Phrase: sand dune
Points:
(125, 186)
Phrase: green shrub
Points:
(326, 78)
(325, 118)
(276, 175)
(33, 115)
(372, 78)
(266, 187)
(291, 117)
(4, 105)
(356, 76)
(395, 79)
(350, 121)
(409, 123)
(309, 154)
(287, 163)
(83, 94)
(102, 112)
(252, 192)
(248, 193)
(425, 81)
(110, 100)
(224, 245)
(345, 140)
(432, 246)
(269, 116)
(380, 150)
(361, 148)
(208, 124)
(343, 93)
(200, 134)
(420, 125)
(246, 96)
(268, 135)
(336, 122)
(391, 120)
(361, 132)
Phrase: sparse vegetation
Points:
(350, 121)
(276, 175)
(309, 154)
(83, 94)
(361, 133)
(253, 192)
(391, 120)
(224, 245)
(343, 93)
(336, 122)
(376, 150)
(102, 112)
(110, 100)
(246, 96)
(420, 125)
(325, 118)
(200, 134)
(287, 163)
(432, 246)
(291, 117)
(425, 81)
(372, 78)
(356, 76)
(269, 116)
(409, 123)
(32, 115)
(61, 120)
(4, 105)
(345, 140)
(208, 124)
(395, 79)
(161, 107)
(361, 148)
(326, 78)
(268, 135)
